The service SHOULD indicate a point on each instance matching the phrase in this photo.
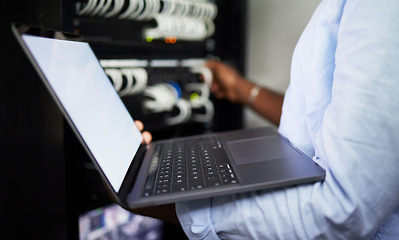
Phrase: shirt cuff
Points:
(195, 219)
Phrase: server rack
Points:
(52, 181)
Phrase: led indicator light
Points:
(194, 96)
(149, 39)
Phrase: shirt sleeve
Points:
(357, 143)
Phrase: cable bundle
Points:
(190, 20)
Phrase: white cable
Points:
(129, 85)
(198, 29)
(185, 19)
(136, 81)
(179, 8)
(208, 115)
(202, 12)
(118, 5)
(79, 7)
(205, 72)
(171, 5)
(164, 25)
(105, 8)
(185, 8)
(196, 10)
(83, 9)
(138, 10)
(214, 11)
(148, 6)
(184, 115)
(141, 77)
(133, 4)
(87, 9)
(97, 9)
(162, 98)
(156, 8)
(210, 27)
(207, 11)
(165, 7)
(116, 78)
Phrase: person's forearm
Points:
(266, 102)
(269, 104)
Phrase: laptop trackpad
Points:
(260, 149)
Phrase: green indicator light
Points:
(194, 96)
(149, 39)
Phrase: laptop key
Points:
(196, 185)
(213, 183)
(179, 187)
(221, 157)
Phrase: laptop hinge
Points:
(132, 172)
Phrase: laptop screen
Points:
(89, 99)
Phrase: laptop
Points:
(167, 171)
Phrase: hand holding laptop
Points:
(147, 137)
(163, 212)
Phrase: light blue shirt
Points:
(342, 109)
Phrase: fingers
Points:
(147, 137)
(217, 92)
(212, 63)
(139, 125)
(214, 66)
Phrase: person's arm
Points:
(229, 84)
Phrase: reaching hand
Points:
(229, 84)
(226, 81)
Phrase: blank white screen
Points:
(91, 102)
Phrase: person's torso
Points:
(309, 93)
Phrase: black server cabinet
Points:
(46, 177)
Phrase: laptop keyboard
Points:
(188, 165)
